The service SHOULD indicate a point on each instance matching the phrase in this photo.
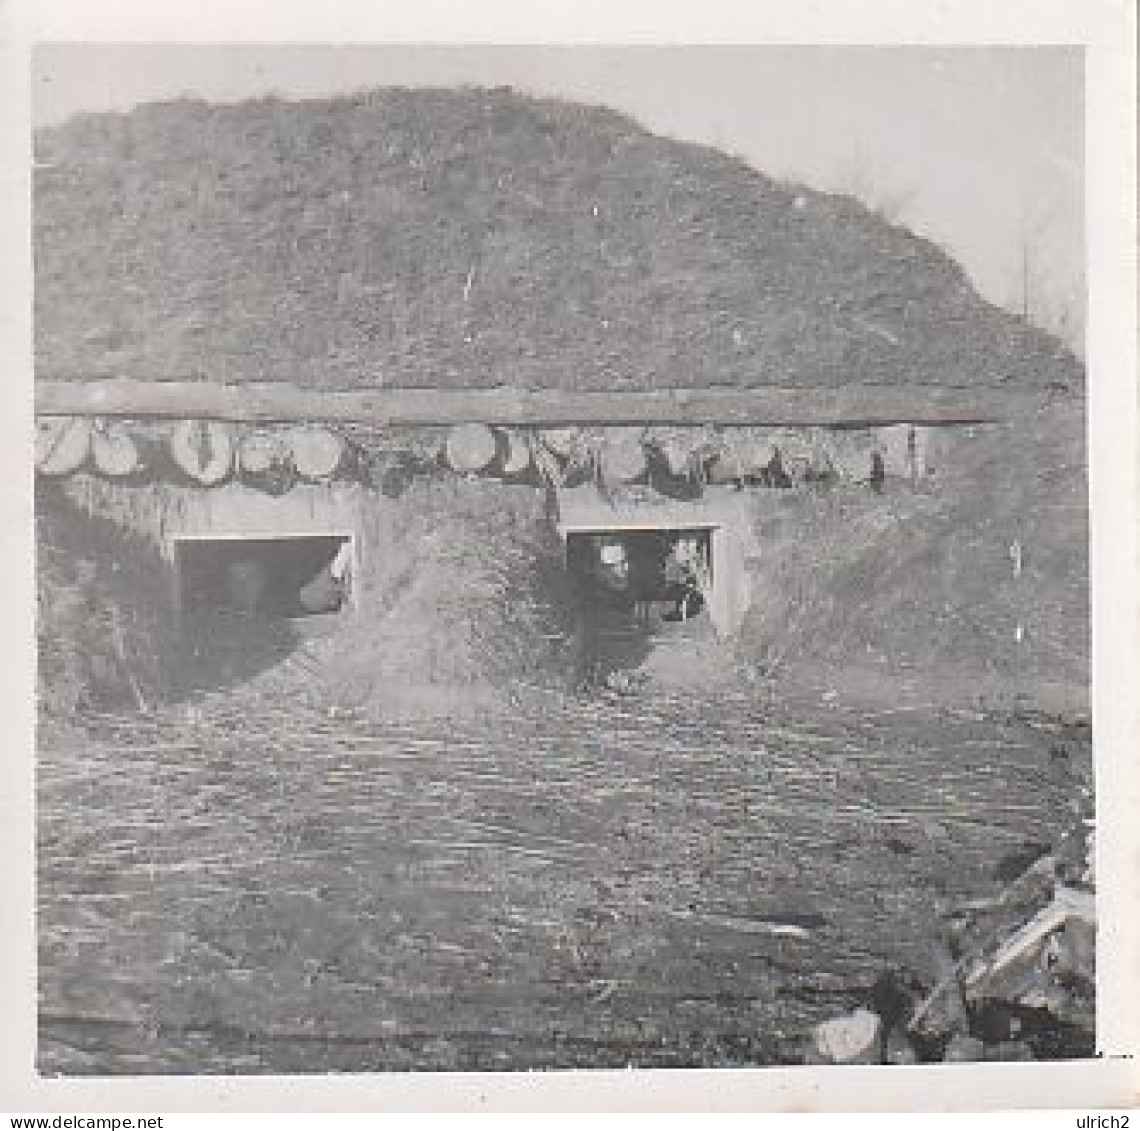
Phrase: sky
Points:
(980, 149)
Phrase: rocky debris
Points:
(961, 1049)
(854, 1038)
(1024, 961)
(1018, 977)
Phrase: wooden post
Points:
(893, 444)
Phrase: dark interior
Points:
(643, 572)
(267, 577)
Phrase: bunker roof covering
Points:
(473, 238)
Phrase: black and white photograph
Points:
(561, 557)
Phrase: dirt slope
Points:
(922, 586)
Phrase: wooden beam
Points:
(773, 405)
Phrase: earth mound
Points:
(477, 237)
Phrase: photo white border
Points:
(1107, 29)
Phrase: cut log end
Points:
(63, 444)
(621, 459)
(470, 448)
(114, 451)
(317, 453)
(261, 452)
(203, 450)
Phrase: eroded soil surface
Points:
(651, 881)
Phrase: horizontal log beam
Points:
(774, 405)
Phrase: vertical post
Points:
(728, 600)
(174, 569)
(719, 597)
(354, 563)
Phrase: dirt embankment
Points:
(464, 595)
(102, 620)
(973, 589)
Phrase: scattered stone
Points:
(1074, 951)
(852, 1039)
(898, 1050)
(1009, 1050)
(963, 1049)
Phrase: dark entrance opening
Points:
(277, 577)
(662, 571)
(637, 587)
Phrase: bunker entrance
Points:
(658, 576)
(280, 577)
